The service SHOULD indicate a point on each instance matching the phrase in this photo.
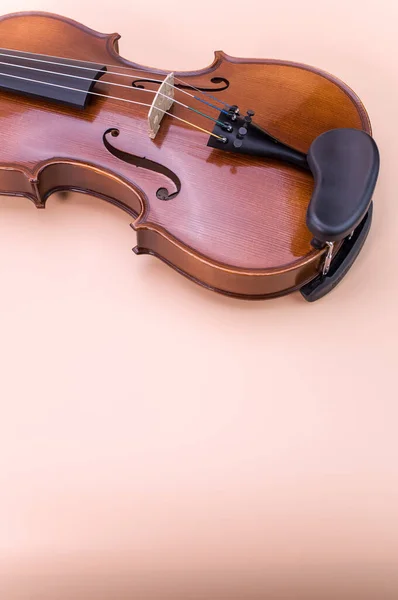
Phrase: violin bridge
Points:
(162, 102)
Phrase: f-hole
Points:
(139, 83)
(144, 163)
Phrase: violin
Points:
(251, 177)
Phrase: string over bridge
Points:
(162, 102)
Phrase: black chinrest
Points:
(345, 166)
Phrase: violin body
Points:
(234, 223)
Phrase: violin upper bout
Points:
(30, 30)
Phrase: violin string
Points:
(179, 89)
(64, 87)
(6, 53)
(206, 93)
(114, 84)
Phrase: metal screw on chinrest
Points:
(328, 258)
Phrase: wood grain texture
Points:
(238, 224)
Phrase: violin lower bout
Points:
(153, 240)
(234, 282)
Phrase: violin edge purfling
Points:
(255, 227)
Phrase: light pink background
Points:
(160, 441)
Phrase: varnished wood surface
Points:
(238, 224)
